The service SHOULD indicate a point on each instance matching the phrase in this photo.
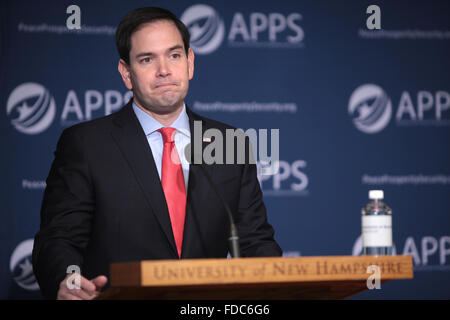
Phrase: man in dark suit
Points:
(118, 189)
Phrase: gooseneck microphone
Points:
(234, 238)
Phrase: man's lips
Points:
(163, 85)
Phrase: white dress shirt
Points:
(155, 140)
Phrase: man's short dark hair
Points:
(132, 20)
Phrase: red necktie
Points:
(172, 180)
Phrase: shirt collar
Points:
(150, 124)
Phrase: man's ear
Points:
(124, 70)
(191, 58)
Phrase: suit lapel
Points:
(198, 193)
(205, 126)
(133, 143)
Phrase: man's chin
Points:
(166, 107)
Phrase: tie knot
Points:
(168, 134)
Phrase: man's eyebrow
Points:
(142, 54)
(175, 47)
(145, 54)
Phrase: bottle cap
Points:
(376, 194)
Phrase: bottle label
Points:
(377, 231)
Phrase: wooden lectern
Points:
(328, 277)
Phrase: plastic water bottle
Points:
(376, 225)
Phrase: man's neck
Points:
(165, 119)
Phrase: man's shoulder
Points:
(106, 123)
(95, 126)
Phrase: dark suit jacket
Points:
(104, 203)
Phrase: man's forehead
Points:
(156, 29)
(157, 26)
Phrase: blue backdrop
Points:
(357, 109)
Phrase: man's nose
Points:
(163, 68)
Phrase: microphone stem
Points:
(234, 238)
